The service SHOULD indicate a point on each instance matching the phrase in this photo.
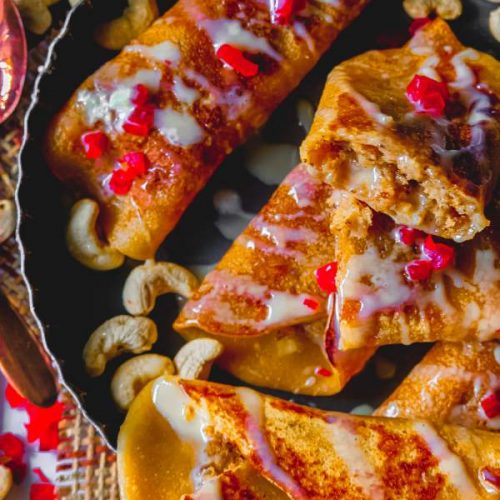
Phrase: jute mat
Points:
(86, 468)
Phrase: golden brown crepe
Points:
(263, 302)
(434, 173)
(451, 385)
(378, 303)
(212, 441)
(202, 107)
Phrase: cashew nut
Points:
(194, 360)
(135, 373)
(494, 23)
(152, 279)
(117, 335)
(7, 219)
(135, 19)
(5, 481)
(83, 242)
(447, 9)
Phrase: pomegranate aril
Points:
(492, 476)
(283, 11)
(323, 372)
(235, 58)
(325, 277)
(408, 235)
(418, 270)
(491, 404)
(136, 161)
(311, 303)
(427, 95)
(418, 23)
(94, 143)
(140, 95)
(440, 254)
(140, 121)
(121, 181)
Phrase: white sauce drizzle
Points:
(232, 219)
(270, 163)
(164, 51)
(449, 463)
(253, 404)
(179, 128)
(361, 472)
(183, 93)
(280, 235)
(282, 308)
(113, 106)
(226, 31)
(187, 422)
(388, 289)
(497, 354)
(303, 34)
(371, 109)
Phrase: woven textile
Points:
(86, 468)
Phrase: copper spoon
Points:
(21, 360)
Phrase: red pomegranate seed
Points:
(491, 404)
(427, 95)
(419, 270)
(235, 58)
(140, 121)
(408, 235)
(441, 255)
(322, 371)
(311, 303)
(283, 11)
(136, 161)
(325, 276)
(121, 181)
(140, 95)
(492, 476)
(94, 143)
(418, 23)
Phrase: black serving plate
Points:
(70, 301)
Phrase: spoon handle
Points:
(21, 360)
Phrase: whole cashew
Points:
(7, 219)
(117, 335)
(447, 9)
(194, 360)
(494, 23)
(152, 279)
(135, 19)
(135, 373)
(83, 242)
(5, 481)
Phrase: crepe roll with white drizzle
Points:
(205, 440)
(266, 300)
(397, 285)
(414, 132)
(454, 383)
(145, 132)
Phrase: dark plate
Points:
(71, 301)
